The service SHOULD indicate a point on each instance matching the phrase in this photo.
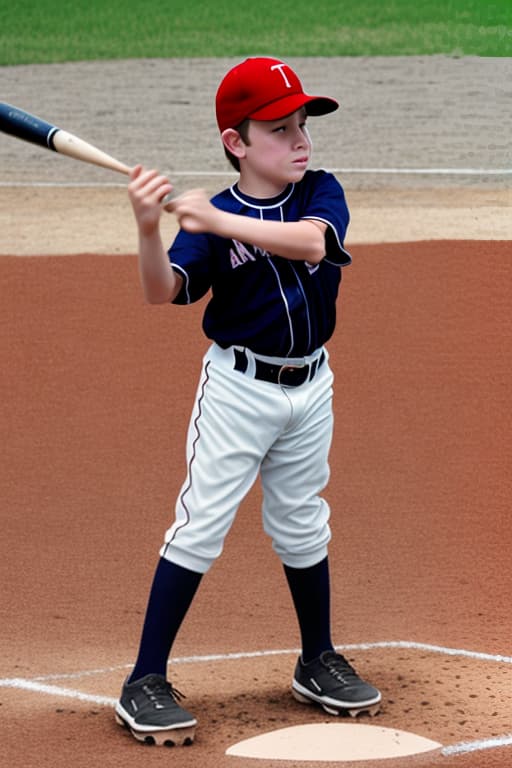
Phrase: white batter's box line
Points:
(241, 655)
(464, 747)
(406, 644)
(20, 683)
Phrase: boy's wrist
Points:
(224, 223)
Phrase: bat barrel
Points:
(25, 126)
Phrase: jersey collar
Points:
(259, 202)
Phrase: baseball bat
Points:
(23, 125)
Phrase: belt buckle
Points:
(290, 370)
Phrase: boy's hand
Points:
(194, 211)
(146, 191)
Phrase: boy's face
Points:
(278, 153)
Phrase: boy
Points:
(270, 248)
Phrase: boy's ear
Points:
(233, 142)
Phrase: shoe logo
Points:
(134, 705)
(315, 684)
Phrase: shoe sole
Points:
(170, 737)
(369, 708)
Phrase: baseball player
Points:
(270, 249)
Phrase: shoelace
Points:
(158, 692)
(340, 668)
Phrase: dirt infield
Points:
(95, 397)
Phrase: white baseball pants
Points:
(241, 427)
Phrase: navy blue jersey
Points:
(272, 305)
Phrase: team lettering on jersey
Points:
(241, 254)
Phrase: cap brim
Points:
(315, 105)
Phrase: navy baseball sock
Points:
(310, 588)
(171, 594)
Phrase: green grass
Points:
(37, 31)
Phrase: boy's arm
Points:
(146, 190)
(298, 240)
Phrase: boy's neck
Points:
(259, 189)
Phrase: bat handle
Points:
(69, 144)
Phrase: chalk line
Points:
(56, 690)
(241, 655)
(464, 747)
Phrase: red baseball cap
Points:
(264, 89)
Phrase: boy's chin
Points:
(297, 174)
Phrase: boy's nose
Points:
(300, 138)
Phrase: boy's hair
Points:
(243, 130)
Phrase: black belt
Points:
(287, 375)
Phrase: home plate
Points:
(333, 742)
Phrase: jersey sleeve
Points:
(326, 203)
(190, 257)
